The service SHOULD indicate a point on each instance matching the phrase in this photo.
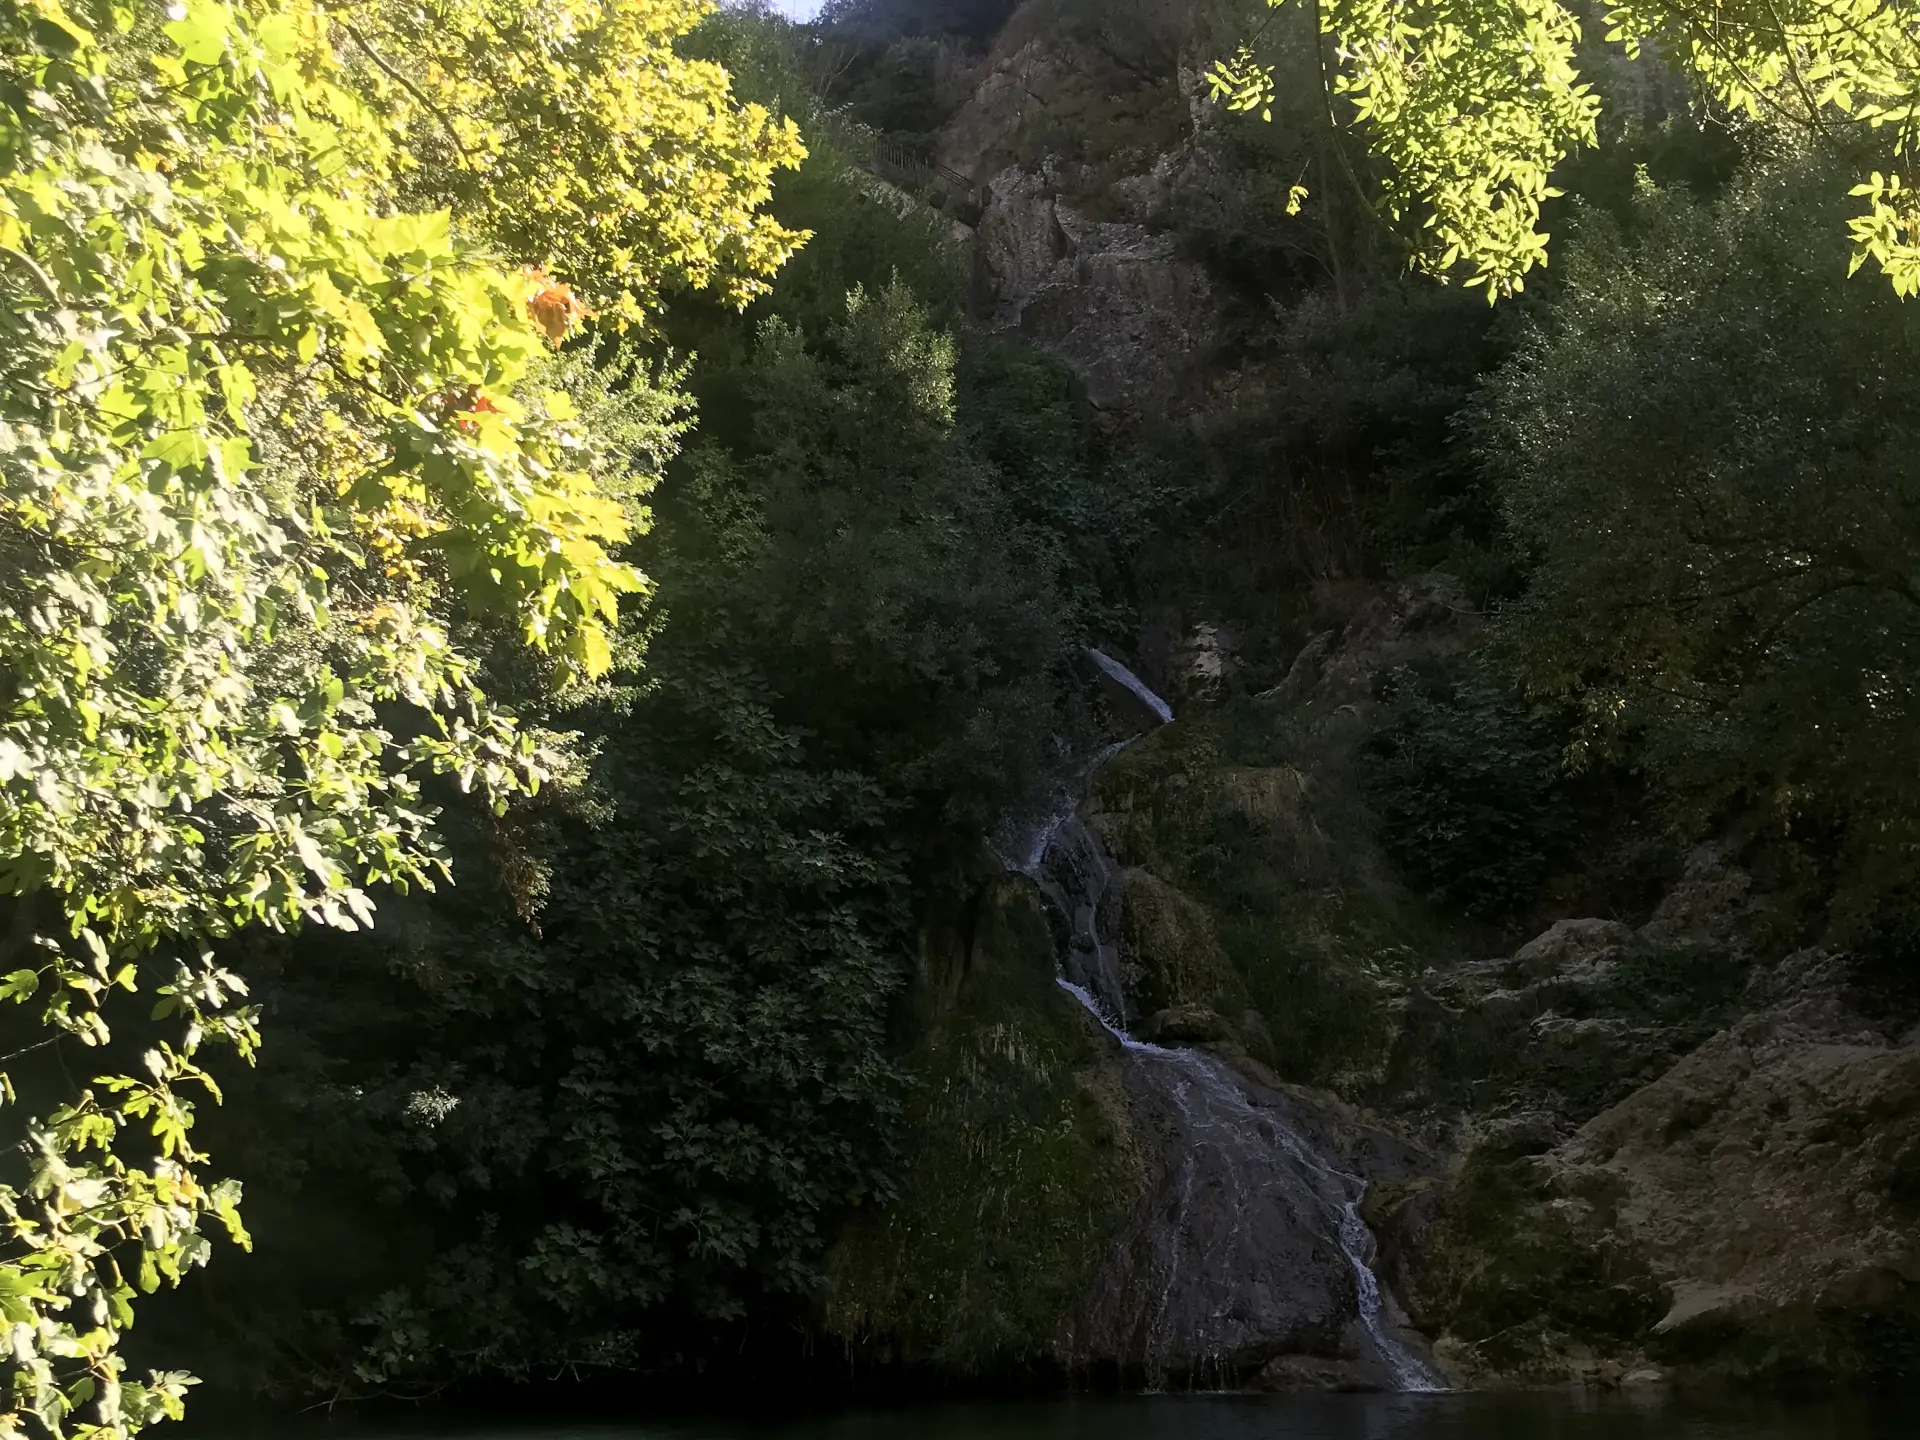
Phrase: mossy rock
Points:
(1525, 1278)
(1021, 1166)
(1254, 890)
(1875, 1346)
(1518, 1285)
(1569, 1039)
(1173, 958)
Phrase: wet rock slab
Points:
(1245, 1262)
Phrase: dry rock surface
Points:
(1768, 1177)
(1113, 299)
(1739, 1163)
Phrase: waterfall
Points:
(1239, 1250)
(1131, 683)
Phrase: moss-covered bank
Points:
(1021, 1165)
(1255, 892)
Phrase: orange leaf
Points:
(554, 307)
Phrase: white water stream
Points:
(1258, 1156)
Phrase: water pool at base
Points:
(1648, 1415)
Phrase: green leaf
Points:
(201, 34)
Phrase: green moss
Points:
(1173, 956)
(1252, 731)
(1022, 1168)
(1511, 1278)
(1226, 810)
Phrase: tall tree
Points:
(574, 134)
(1709, 453)
(272, 445)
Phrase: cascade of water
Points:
(1185, 1271)
(1211, 1099)
(1131, 682)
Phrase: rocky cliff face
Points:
(1113, 298)
(1748, 1212)
(1077, 137)
(1767, 1181)
(1673, 1151)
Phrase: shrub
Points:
(1463, 780)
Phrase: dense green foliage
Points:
(1463, 779)
(617, 1101)
(567, 1133)
(1470, 104)
(581, 133)
(975, 20)
(1019, 1163)
(1350, 464)
(899, 66)
(280, 452)
(896, 600)
(1707, 451)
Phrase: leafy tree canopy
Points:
(576, 135)
(275, 445)
(1708, 452)
(1470, 104)
(609, 1111)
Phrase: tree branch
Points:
(46, 280)
(407, 85)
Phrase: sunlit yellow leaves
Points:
(268, 420)
(200, 35)
(1889, 233)
(575, 134)
(1469, 105)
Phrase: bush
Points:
(1709, 452)
(1463, 780)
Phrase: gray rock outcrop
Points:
(1115, 300)
(1770, 1178)
(1232, 1269)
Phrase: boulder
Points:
(1769, 1178)
(1569, 946)
(1172, 957)
(1710, 905)
(1232, 1269)
(1183, 1025)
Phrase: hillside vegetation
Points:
(539, 543)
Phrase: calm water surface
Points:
(1640, 1416)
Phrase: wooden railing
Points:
(910, 168)
(946, 190)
